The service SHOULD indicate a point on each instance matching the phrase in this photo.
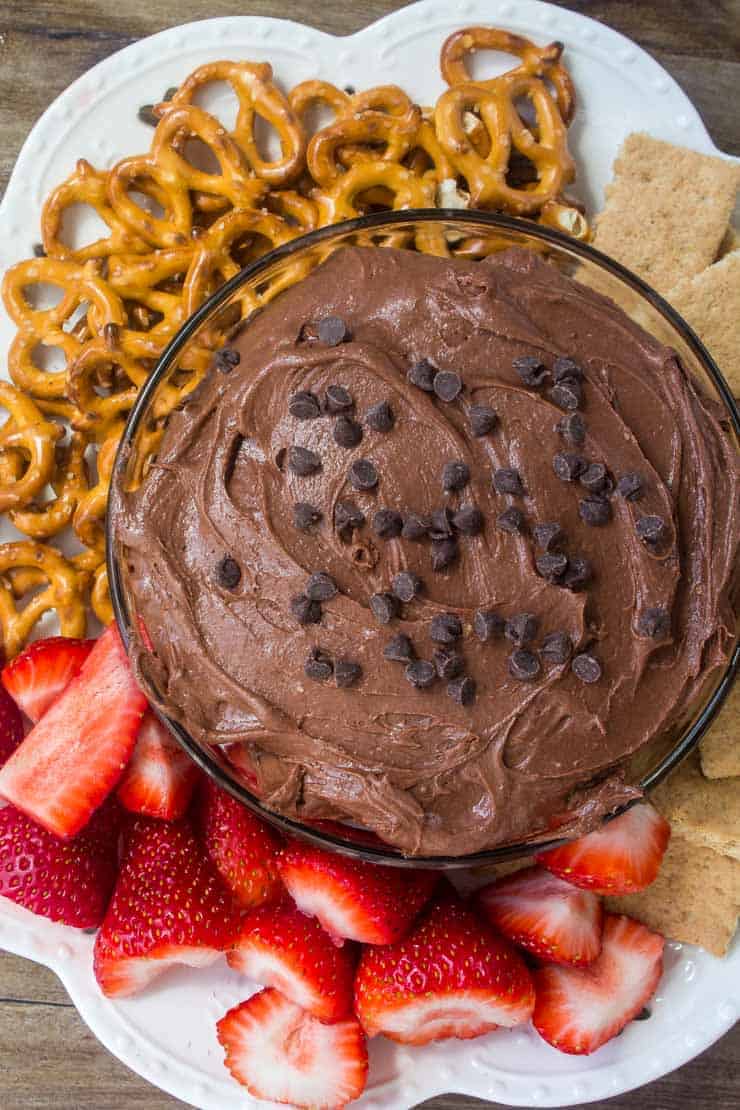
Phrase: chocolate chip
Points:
(552, 565)
(363, 475)
(445, 628)
(654, 622)
(586, 667)
(488, 625)
(508, 480)
(482, 420)
(229, 573)
(347, 517)
(302, 461)
(462, 690)
(304, 610)
(448, 663)
(468, 520)
(318, 666)
(651, 530)
(524, 665)
(147, 115)
(521, 628)
(566, 395)
(380, 417)
(510, 520)
(568, 466)
(579, 572)
(415, 526)
(444, 554)
(347, 432)
(594, 511)
(440, 526)
(565, 369)
(305, 515)
(39, 251)
(384, 607)
(572, 428)
(556, 648)
(346, 673)
(332, 330)
(226, 359)
(399, 649)
(321, 587)
(548, 534)
(530, 370)
(447, 385)
(629, 486)
(455, 476)
(387, 524)
(420, 674)
(422, 374)
(169, 92)
(304, 406)
(644, 1015)
(594, 478)
(337, 399)
(406, 585)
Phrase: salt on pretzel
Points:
(27, 442)
(86, 186)
(54, 585)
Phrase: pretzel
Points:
(566, 217)
(100, 596)
(28, 439)
(89, 517)
(89, 187)
(312, 93)
(62, 593)
(69, 484)
(353, 133)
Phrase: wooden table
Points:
(47, 1056)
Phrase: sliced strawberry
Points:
(452, 976)
(282, 1054)
(243, 848)
(65, 880)
(160, 778)
(352, 899)
(622, 857)
(281, 947)
(169, 906)
(579, 1009)
(11, 726)
(37, 676)
(72, 759)
(545, 915)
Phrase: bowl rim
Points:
(389, 856)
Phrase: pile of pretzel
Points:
(176, 232)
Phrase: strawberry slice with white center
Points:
(160, 778)
(72, 759)
(244, 849)
(282, 1054)
(169, 906)
(622, 857)
(578, 1009)
(353, 899)
(544, 914)
(11, 726)
(281, 947)
(37, 676)
(452, 976)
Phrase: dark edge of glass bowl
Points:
(390, 856)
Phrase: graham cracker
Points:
(710, 303)
(730, 242)
(667, 210)
(695, 898)
(705, 811)
(720, 749)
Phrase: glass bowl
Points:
(437, 231)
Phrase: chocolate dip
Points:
(574, 644)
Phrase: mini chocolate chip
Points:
(586, 667)
(445, 628)
(406, 585)
(399, 649)
(556, 648)
(347, 517)
(229, 573)
(304, 405)
(415, 526)
(380, 417)
(303, 461)
(363, 475)
(594, 478)
(629, 486)
(462, 690)
(468, 520)
(552, 565)
(455, 476)
(384, 607)
(440, 526)
(651, 530)
(482, 420)
(565, 369)
(579, 572)
(305, 515)
(346, 673)
(420, 674)
(508, 480)
(488, 625)
(321, 586)
(448, 663)
(444, 554)
(318, 666)
(566, 395)
(654, 622)
(226, 359)
(447, 385)
(530, 370)
(548, 534)
(524, 665)
(305, 610)
(594, 511)
(337, 399)
(347, 432)
(147, 115)
(572, 428)
(332, 330)
(522, 628)
(510, 520)
(39, 250)
(387, 524)
(644, 1015)
(169, 92)
(421, 374)
(568, 466)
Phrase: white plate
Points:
(168, 1034)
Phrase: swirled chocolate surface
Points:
(493, 691)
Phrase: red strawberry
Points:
(37, 676)
(169, 906)
(160, 778)
(11, 726)
(243, 848)
(282, 1054)
(65, 880)
(452, 976)
(280, 947)
(355, 900)
(545, 915)
(622, 857)
(578, 1009)
(72, 759)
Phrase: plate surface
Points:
(168, 1035)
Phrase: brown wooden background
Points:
(48, 1059)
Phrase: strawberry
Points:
(352, 899)
(11, 726)
(169, 906)
(243, 848)
(37, 676)
(65, 880)
(452, 976)
(72, 759)
(280, 947)
(622, 857)
(578, 1009)
(160, 778)
(282, 1054)
(544, 914)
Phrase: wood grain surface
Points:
(48, 1059)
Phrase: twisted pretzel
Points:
(349, 135)
(89, 187)
(27, 442)
(69, 484)
(89, 518)
(62, 592)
